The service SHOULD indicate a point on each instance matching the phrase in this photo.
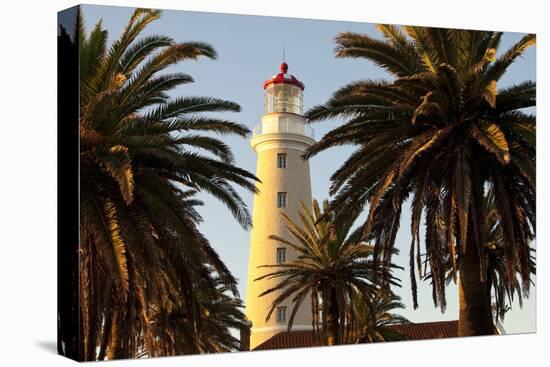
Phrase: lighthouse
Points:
(279, 142)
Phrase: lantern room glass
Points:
(283, 98)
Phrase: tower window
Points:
(281, 160)
(281, 314)
(281, 255)
(281, 200)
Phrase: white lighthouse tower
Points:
(279, 142)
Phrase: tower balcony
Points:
(282, 132)
(283, 125)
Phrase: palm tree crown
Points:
(376, 318)
(439, 134)
(143, 157)
(332, 266)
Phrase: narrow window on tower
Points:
(281, 255)
(281, 160)
(281, 314)
(281, 200)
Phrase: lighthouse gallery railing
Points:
(284, 126)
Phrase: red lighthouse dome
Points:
(284, 78)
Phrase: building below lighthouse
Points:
(279, 142)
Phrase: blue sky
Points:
(250, 51)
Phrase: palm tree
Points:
(221, 314)
(374, 319)
(437, 134)
(210, 331)
(505, 289)
(143, 157)
(332, 266)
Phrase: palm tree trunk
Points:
(475, 317)
(333, 329)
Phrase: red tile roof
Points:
(420, 331)
(428, 330)
(290, 339)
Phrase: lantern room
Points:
(283, 93)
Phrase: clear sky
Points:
(250, 51)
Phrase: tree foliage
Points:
(150, 282)
(334, 270)
(438, 134)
